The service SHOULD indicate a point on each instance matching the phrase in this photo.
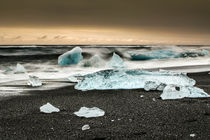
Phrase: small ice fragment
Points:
(192, 135)
(142, 96)
(116, 61)
(71, 57)
(85, 127)
(48, 108)
(154, 99)
(112, 120)
(34, 81)
(20, 69)
(89, 112)
(94, 61)
(179, 92)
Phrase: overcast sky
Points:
(178, 15)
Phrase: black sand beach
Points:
(127, 115)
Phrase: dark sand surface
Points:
(134, 117)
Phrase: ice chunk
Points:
(89, 112)
(130, 79)
(20, 69)
(48, 108)
(155, 54)
(194, 54)
(192, 135)
(116, 61)
(71, 57)
(164, 54)
(94, 61)
(85, 127)
(179, 92)
(34, 81)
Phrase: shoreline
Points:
(135, 117)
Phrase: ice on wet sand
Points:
(131, 79)
(71, 57)
(85, 127)
(89, 112)
(34, 81)
(179, 92)
(48, 108)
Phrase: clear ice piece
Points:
(48, 108)
(34, 81)
(85, 127)
(130, 79)
(20, 69)
(179, 92)
(116, 62)
(71, 57)
(89, 112)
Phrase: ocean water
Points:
(41, 61)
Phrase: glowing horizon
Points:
(98, 36)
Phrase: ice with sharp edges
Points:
(89, 112)
(179, 92)
(163, 54)
(71, 57)
(48, 108)
(34, 81)
(130, 79)
(94, 61)
(116, 62)
(20, 69)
